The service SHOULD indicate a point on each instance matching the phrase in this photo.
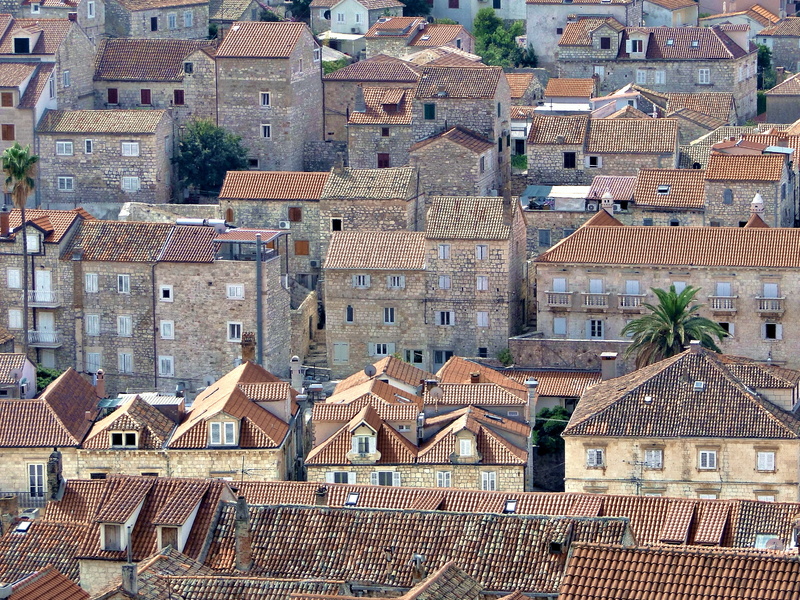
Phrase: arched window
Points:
(349, 314)
(229, 215)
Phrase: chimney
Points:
(757, 205)
(100, 384)
(338, 167)
(695, 347)
(608, 365)
(130, 579)
(475, 377)
(418, 570)
(359, 105)
(5, 222)
(244, 551)
(297, 373)
(321, 496)
(54, 479)
(248, 346)
(607, 201)
(532, 385)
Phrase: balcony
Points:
(631, 302)
(44, 299)
(594, 301)
(769, 306)
(559, 299)
(44, 339)
(722, 304)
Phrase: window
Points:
(384, 132)
(295, 214)
(641, 76)
(772, 331)
(723, 288)
(317, 55)
(770, 290)
(381, 349)
(765, 461)
(264, 98)
(444, 251)
(64, 148)
(482, 283)
(632, 287)
(266, 131)
(389, 478)
(112, 96)
(605, 43)
(222, 433)
(153, 23)
(14, 279)
(7, 99)
(679, 286)
(489, 481)
(166, 366)
(66, 184)
(36, 480)
(704, 76)
(594, 162)
(728, 327)
(635, 45)
(177, 97)
(14, 318)
(595, 457)
(93, 362)
(165, 293)
(92, 325)
(570, 160)
(234, 291)
(341, 353)
(595, 286)
(396, 282)
(130, 148)
(654, 458)
(90, 9)
(560, 326)
(88, 146)
(559, 30)
(445, 317)
(443, 479)
(483, 164)
(660, 77)
(594, 329)
(124, 284)
(123, 439)
(544, 237)
(22, 46)
(301, 248)
(483, 352)
(340, 477)
(465, 447)
(430, 110)
(383, 160)
(145, 97)
(188, 68)
(349, 314)
(444, 282)
(234, 332)
(481, 252)
(340, 17)
(36, 9)
(188, 18)
(765, 498)
(167, 329)
(674, 222)
(388, 315)
(441, 356)
(358, 17)
(130, 184)
(497, 4)
(364, 444)
(336, 224)
(482, 317)
(125, 326)
(8, 132)
(361, 281)
(65, 79)
(707, 460)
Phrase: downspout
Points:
(259, 304)
(153, 328)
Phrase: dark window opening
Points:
(570, 160)
(605, 43)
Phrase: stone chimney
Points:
(695, 347)
(54, 470)
(475, 377)
(418, 570)
(608, 365)
(295, 368)
(321, 496)
(244, 550)
(338, 165)
(607, 202)
(130, 579)
(5, 222)
(757, 205)
(359, 105)
(248, 346)
(100, 384)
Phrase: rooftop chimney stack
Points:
(295, 368)
(695, 347)
(5, 222)
(130, 579)
(607, 201)
(321, 496)
(359, 104)
(418, 570)
(244, 550)
(54, 470)
(757, 205)
(248, 346)
(608, 365)
(100, 384)
(475, 377)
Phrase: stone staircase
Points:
(317, 358)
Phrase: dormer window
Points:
(124, 439)
(222, 434)
(364, 444)
(36, 8)
(112, 537)
(635, 46)
(465, 447)
(22, 45)
(168, 536)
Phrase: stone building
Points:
(634, 434)
(157, 74)
(783, 101)
(379, 132)
(666, 59)
(526, 88)
(90, 15)
(783, 39)
(670, 13)
(574, 149)
(401, 36)
(224, 13)
(351, 16)
(157, 19)
(104, 158)
(277, 111)
(465, 11)
(17, 374)
(756, 18)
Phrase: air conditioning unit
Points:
(313, 264)
(617, 208)
(355, 30)
(591, 207)
(284, 225)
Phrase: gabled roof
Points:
(719, 105)
(258, 428)
(137, 415)
(56, 223)
(376, 69)
(522, 113)
(125, 59)
(460, 370)
(478, 82)
(748, 167)
(388, 366)
(394, 27)
(384, 106)
(789, 26)
(467, 218)
(707, 121)
(519, 83)
(674, 4)
(788, 87)
(629, 112)
(756, 12)
(53, 34)
(273, 185)
(566, 384)
(45, 544)
(376, 250)
(755, 221)
(457, 135)
(687, 43)
(14, 74)
(478, 394)
(620, 186)
(726, 408)
(37, 85)
(438, 35)
(569, 87)
(444, 56)
(10, 362)
(120, 241)
(553, 129)
(602, 218)
(670, 188)
(342, 407)
(396, 183)
(482, 417)
(101, 121)
(579, 33)
(48, 584)
(632, 136)
(228, 10)
(255, 39)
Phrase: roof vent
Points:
(425, 38)
(647, 400)
(352, 499)
(695, 44)
(510, 507)
(670, 42)
(662, 189)
(699, 386)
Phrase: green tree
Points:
(495, 41)
(301, 10)
(416, 8)
(329, 66)
(766, 73)
(444, 21)
(550, 422)
(19, 166)
(269, 15)
(45, 377)
(669, 327)
(205, 154)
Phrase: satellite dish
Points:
(436, 392)
(370, 370)
(774, 544)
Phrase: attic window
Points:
(425, 38)
(699, 386)
(113, 537)
(695, 44)
(123, 439)
(662, 189)
(670, 42)
(556, 547)
(352, 499)
(510, 507)
(23, 526)
(22, 45)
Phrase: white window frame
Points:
(123, 283)
(167, 329)
(361, 281)
(482, 318)
(482, 283)
(188, 19)
(765, 461)
(64, 148)
(265, 99)
(36, 8)
(234, 291)
(266, 131)
(88, 146)
(14, 279)
(595, 457)
(92, 325)
(125, 362)
(91, 283)
(654, 458)
(33, 242)
(444, 251)
(65, 79)
(641, 76)
(234, 328)
(445, 318)
(660, 78)
(444, 282)
(130, 149)
(465, 447)
(170, 293)
(396, 282)
(124, 326)
(707, 460)
(704, 76)
(481, 252)
(131, 183)
(166, 366)
(90, 12)
(389, 315)
(444, 479)
(595, 329)
(14, 318)
(172, 21)
(340, 17)
(488, 481)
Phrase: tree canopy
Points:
(416, 8)
(206, 153)
(496, 43)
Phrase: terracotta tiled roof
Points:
(714, 104)
(380, 4)
(101, 121)
(398, 183)
(37, 85)
(134, 415)
(273, 185)
(457, 135)
(712, 43)
(124, 59)
(10, 362)
(445, 56)
(565, 384)
(384, 106)
(599, 572)
(788, 87)
(707, 121)
(5, 336)
(376, 250)
(616, 407)
(324, 3)
(790, 26)
(393, 27)
(378, 68)
(759, 167)
(547, 129)
(467, 218)
(376, 389)
(459, 82)
(597, 2)
(674, 4)
(54, 32)
(123, 497)
(710, 246)
(515, 560)
(569, 87)
(482, 417)
(519, 83)
(620, 186)
(190, 244)
(120, 241)
(460, 370)
(13, 74)
(579, 33)
(522, 113)
(48, 584)
(765, 14)
(755, 221)
(632, 136)
(439, 35)
(391, 367)
(60, 220)
(629, 112)
(241, 234)
(602, 219)
(256, 39)
(44, 544)
(478, 394)
(139, 5)
(342, 412)
(670, 188)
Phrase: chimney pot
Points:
(475, 377)
(100, 384)
(244, 550)
(248, 346)
(608, 365)
(130, 579)
(321, 496)
(296, 373)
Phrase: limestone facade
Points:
(173, 20)
(778, 197)
(452, 169)
(784, 49)
(366, 142)
(340, 98)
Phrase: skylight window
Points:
(352, 499)
(23, 526)
(663, 189)
(670, 42)
(699, 386)
(511, 506)
(695, 43)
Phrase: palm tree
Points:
(19, 166)
(670, 326)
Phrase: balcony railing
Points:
(27, 500)
(630, 301)
(769, 305)
(559, 299)
(723, 303)
(44, 339)
(44, 298)
(591, 300)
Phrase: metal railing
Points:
(28, 500)
(44, 298)
(44, 338)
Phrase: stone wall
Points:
(546, 164)
(534, 350)
(778, 201)
(168, 213)
(121, 22)
(784, 51)
(366, 141)
(322, 156)
(340, 99)
(782, 109)
(559, 223)
(76, 55)
(450, 169)
(95, 575)
(305, 319)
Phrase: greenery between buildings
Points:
(329, 66)
(416, 8)
(45, 377)
(495, 41)
(505, 357)
(766, 72)
(205, 153)
(519, 162)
